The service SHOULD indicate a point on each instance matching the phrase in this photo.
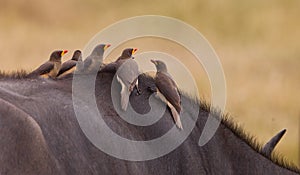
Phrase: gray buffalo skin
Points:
(40, 135)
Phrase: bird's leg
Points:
(132, 85)
(139, 92)
(135, 84)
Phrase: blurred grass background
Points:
(257, 41)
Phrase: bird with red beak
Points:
(70, 65)
(93, 62)
(127, 75)
(51, 67)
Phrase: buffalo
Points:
(40, 134)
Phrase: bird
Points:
(94, 60)
(51, 67)
(113, 67)
(127, 75)
(70, 65)
(167, 87)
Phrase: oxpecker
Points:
(70, 65)
(93, 62)
(127, 75)
(167, 87)
(51, 67)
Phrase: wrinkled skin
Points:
(40, 135)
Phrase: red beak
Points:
(133, 51)
(64, 52)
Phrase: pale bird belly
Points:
(55, 70)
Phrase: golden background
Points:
(258, 43)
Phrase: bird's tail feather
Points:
(32, 74)
(124, 99)
(124, 95)
(176, 116)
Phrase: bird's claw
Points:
(138, 91)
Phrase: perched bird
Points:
(127, 75)
(70, 65)
(94, 60)
(113, 67)
(51, 67)
(167, 87)
(127, 53)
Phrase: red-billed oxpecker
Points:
(51, 67)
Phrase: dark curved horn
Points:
(269, 147)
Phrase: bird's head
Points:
(56, 55)
(160, 66)
(128, 53)
(99, 49)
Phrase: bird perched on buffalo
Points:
(51, 67)
(94, 60)
(167, 87)
(113, 67)
(127, 53)
(127, 75)
(70, 65)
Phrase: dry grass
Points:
(257, 42)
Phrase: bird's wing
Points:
(168, 88)
(175, 115)
(44, 68)
(111, 67)
(66, 66)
